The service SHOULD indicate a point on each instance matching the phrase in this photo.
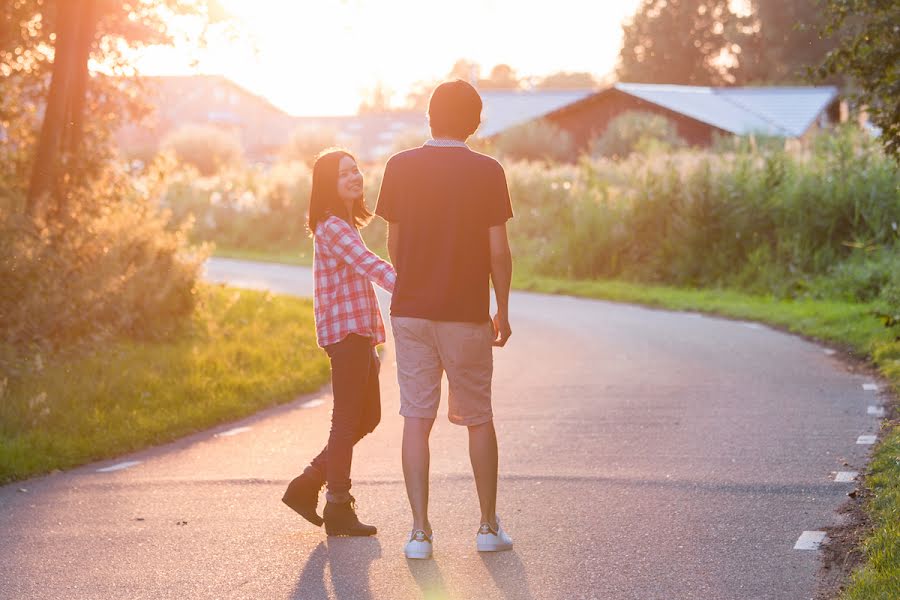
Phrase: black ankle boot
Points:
(302, 495)
(340, 519)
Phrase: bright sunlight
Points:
(321, 58)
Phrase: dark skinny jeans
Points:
(356, 412)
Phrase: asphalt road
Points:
(644, 455)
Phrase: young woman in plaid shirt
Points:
(348, 327)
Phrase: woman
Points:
(348, 327)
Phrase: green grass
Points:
(242, 352)
(851, 326)
(302, 257)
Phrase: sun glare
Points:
(319, 58)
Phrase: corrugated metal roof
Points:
(503, 108)
(783, 111)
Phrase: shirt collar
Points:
(446, 143)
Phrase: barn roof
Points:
(503, 109)
(783, 111)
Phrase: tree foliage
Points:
(676, 41)
(306, 142)
(778, 41)
(206, 147)
(566, 80)
(85, 252)
(868, 52)
(502, 77)
(705, 42)
(56, 112)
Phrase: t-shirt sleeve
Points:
(499, 205)
(386, 205)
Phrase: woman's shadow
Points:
(349, 560)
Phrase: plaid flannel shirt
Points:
(344, 270)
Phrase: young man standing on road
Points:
(447, 208)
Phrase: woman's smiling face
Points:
(349, 181)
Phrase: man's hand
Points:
(502, 330)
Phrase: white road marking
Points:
(866, 439)
(234, 431)
(870, 387)
(752, 325)
(313, 403)
(830, 351)
(810, 540)
(119, 467)
(846, 476)
(875, 411)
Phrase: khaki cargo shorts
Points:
(425, 349)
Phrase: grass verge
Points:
(851, 326)
(301, 257)
(242, 351)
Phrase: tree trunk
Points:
(86, 30)
(62, 127)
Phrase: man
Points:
(447, 208)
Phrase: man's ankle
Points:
(492, 521)
(424, 526)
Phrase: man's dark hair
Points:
(454, 110)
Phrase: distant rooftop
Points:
(782, 111)
(506, 108)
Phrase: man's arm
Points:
(501, 277)
(393, 242)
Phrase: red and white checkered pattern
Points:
(344, 270)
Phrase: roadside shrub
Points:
(863, 277)
(536, 141)
(113, 267)
(754, 142)
(306, 143)
(205, 147)
(255, 208)
(636, 131)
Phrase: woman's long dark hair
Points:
(323, 198)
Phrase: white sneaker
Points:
(490, 540)
(419, 545)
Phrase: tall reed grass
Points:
(821, 222)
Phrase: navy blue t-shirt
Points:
(445, 200)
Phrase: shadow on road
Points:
(428, 577)
(508, 573)
(348, 560)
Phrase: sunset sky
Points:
(318, 57)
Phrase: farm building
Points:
(699, 113)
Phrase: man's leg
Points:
(483, 455)
(416, 462)
(467, 351)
